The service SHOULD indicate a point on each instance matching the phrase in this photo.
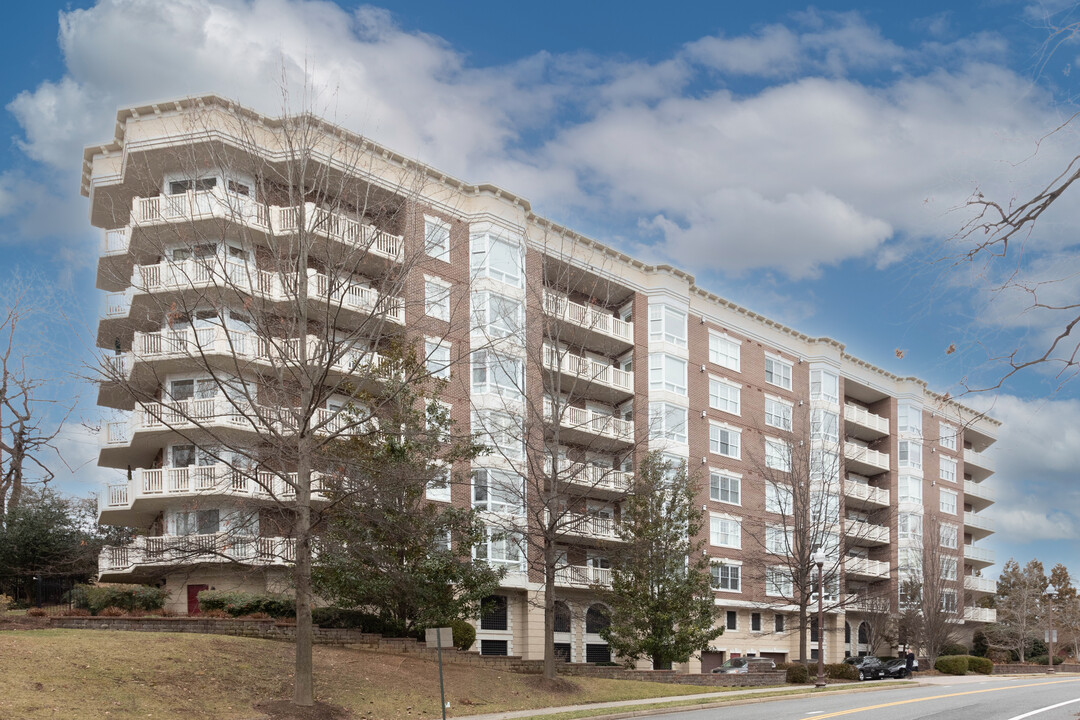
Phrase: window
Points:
(501, 432)
(724, 396)
(438, 358)
(667, 372)
(778, 499)
(200, 389)
(947, 501)
(777, 455)
(724, 351)
(726, 577)
(732, 620)
(494, 613)
(778, 623)
(197, 522)
(177, 187)
(777, 372)
(824, 386)
(824, 508)
(949, 535)
(948, 601)
(438, 487)
(666, 324)
(948, 436)
(497, 316)
(667, 421)
(725, 531)
(436, 298)
(948, 568)
(755, 622)
(494, 373)
(909, 419)
(910, 454)
(778, 539)
(825, 426)
(909, 489)
(436, 238)
(498, 259)
(947, 467)
(824, 467)
(562, 617)
(724, 441)
(910, 526)
(777, 413)
(725, 488)
(498, 491)
(778, 581)
(501, 548)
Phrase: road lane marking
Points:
(1048, 707)
(938, 697)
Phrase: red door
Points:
(193, 598)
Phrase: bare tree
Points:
(259, 271)
(931, 584)
(1019, 594)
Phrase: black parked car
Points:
(869, 667)
(896, 668)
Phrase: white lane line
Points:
(1042, 710)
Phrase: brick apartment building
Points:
(555, 348)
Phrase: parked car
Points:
(869, 667)
(897, 668)
(744, 664)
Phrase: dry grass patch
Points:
(126, 675)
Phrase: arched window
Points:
(864, 633)
(596, 619)
(847, 632)
(562, 617)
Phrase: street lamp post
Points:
(1051, 595)
(819, 560)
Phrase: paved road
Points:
(1018, 698)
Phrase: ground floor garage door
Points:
(710, 660)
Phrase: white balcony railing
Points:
(590, 421)
(978, 554)
(868, 532)
(980, 584)
(862, 416)
(866, 456)
(583, 576)
(978, 459)
(867, 493)
(588, 317)
(185, 549)
(589, 371)
(867, 567)
(979, 490)
(980, 614)
(979, 522)
(596, 477)
(118, 305)
(597, 527)
(217, 479)
(115, 242)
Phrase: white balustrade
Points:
(864, 417)
(589, 370)
(591, 318)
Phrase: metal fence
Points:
(49, 592)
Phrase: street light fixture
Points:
(1051, 594)
(819, 560)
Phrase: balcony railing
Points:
(979, 522)
(978, 554)
(867, 493)
(590, 421)
(867, 419)
(980, 584)
(583, 576)
(866, 456)
(588, 317)
(596, 527)
(867, 567)
(980, 614)
(978, 459)
(868, 532)
(187, 549)
(596, 477)
(115, 242)
(979, 490)
(217, 479)
(589, 370)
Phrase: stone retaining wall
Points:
(752, 679)
(1018, 669)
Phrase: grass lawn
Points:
(124, 675)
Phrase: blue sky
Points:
(809, 162)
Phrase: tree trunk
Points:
(549, 605)
(804, 628)
(303, 688)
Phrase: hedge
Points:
(335, 617)
(798, 674)
(980, 665)
(96, 598)
(954, 649)
(242, 603)
(952, 664)
(1045, 660)
(841, 671)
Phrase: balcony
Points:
(980, 495)
(587, 427)
(147, 555)
(861, 495)
(863, 424)
(596, 480)
(980, 585)
(978, 525)
(587, 378)
(866, 568)
(865, 461)
(865, 534)
(978, 556)
(583, 576)
(977, 464)
(980, 614)
(589, 527)
(588, 326)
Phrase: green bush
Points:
(954, 649)
(96, 598)
(335, 617)
(841, 671)
(797, 674)
(981, 665)
(464, 635)
(1045, 660)
(6, 601)
(242, 603)
(952, 664)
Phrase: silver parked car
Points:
(744, 664)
